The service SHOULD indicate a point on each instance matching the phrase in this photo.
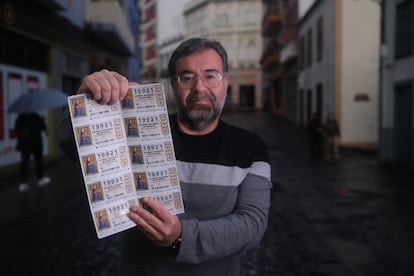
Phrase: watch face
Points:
(176, 245)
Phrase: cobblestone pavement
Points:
(348, 217)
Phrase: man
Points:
(315, 137)
(29, 127)
(224, 174)
(331, 130)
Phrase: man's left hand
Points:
(156, 222)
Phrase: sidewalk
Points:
(348, 217)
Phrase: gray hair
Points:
(194, 45)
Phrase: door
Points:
(403, 124)
(246, 97)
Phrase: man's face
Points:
(200, 104)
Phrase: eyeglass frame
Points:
(196, 77)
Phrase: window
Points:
(302, 53)
(150, 14)
(23, 52)
(222, 18)
(404, 29)
(150, 32)
(319, 39)
(150, 53)
(309, 48)
(247, 13)
(319, 99)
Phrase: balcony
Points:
(272, 22)
(289, 52)
(270, 62)
(107, 23)
(271, 55)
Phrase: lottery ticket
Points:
(126, 153)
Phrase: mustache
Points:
(196, 97)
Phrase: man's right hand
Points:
(107, 87)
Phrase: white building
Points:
(397, 100)
(237, 25)
(339, 44)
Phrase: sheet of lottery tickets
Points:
(126, 153)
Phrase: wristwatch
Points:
(176, 246)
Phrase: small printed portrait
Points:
(128, 101)
(90, 164)
(95, 192)
(141, 182)
(136, 155)
(84, 136)
(131, 126)
(78, 106)
(101, 218)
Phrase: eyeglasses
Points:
(210, 79)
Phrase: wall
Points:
(360, 72)
(321, 72)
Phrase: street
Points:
(348, 217)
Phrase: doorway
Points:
(403, 123)
(246, 97)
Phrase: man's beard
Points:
(199, 117)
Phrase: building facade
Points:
(397, 84)
(237, 25)
(339, 44)
(148, 40)
(279, 58)
(54, 44)
(289, 58)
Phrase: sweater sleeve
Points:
(240, 230)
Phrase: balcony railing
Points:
(271, 55)
(289, 52)
(272, 22)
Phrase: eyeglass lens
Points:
(210, 79)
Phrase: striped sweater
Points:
(225, 182)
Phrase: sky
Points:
(304, 6)
(171, 20)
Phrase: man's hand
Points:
(107, 87)
(156, 222)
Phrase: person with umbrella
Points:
(29, 127)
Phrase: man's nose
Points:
(199, 83)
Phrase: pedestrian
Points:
(224, 174)
(315, 137)
(29, 127)
(331, 132)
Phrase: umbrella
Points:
(39, 99)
